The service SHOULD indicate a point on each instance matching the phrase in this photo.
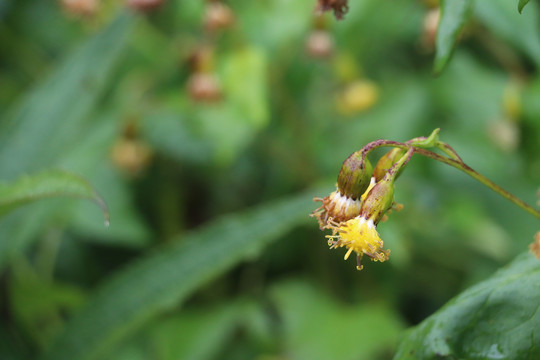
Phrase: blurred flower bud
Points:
(355, 176)
(512, 100)
(505, 134)
(217, 16)
(535, 246)
(204, 87)
(430, 26)
(320, 44)
(81, 7)
(386, 162)
(202, 59)
(358, 96)
(144, 5)
(131, 156)
(346, 67)
(339, 7)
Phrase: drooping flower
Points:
(357, 231)
(360, 234)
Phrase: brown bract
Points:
(339, 7)
(336, 207)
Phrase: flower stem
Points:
(456, 162)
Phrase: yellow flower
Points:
(358, 235)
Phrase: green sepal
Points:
(386, 162)
(379, 200)
(355, 176)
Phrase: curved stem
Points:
(458, 164)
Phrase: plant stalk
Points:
(454, 162)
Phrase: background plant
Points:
(210, 253)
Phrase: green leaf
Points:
(521, 5)
(38, 131)
(316, 326)
(165, 278)
(51, 183)
(204, 331)
(500, 17)
(47, 125)
(245, 83)
(454, 15)
(245, 110)
(496, 319)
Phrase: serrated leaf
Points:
(454, 15)
(163, 279)
(521, 5)
(47, 184)
(496, 319)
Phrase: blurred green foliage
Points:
(208, 143)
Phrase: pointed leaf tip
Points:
(522, 4)
(454, 15)
(47, 184)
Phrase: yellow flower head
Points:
(358, 235)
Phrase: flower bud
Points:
(204, 87)
(358, 96)
(355, 176)
(218, 16)
(378, 200)
(132, 156)
(386, 162)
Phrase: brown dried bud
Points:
(339, 7)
